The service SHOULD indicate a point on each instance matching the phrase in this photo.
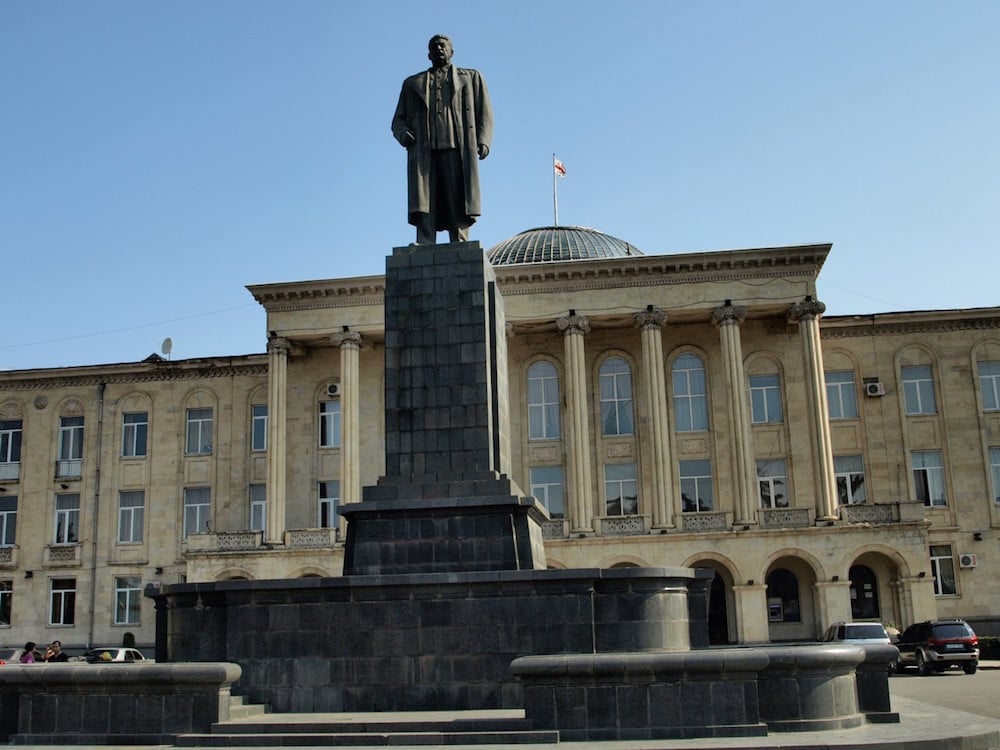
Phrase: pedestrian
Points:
(28, 656)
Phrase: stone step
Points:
(491, 727)
(368, 739)
(240, 709)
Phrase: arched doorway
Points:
(790, 600)
(864, 594)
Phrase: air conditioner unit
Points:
(874, 389)
(333, 389)
(967, 560)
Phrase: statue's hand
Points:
(484, 150)
(407, 139)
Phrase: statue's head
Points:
(439, 50)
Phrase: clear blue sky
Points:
(156, 157)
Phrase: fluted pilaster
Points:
(278, 349)
(807, 314)
(350, 343)
(654, 382)
(728, 318)
(580, 481)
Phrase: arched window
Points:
(864, 593)
(616, 397)
(543, 402)
(782, 596)
(690, 394)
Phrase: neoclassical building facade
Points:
(689, 409)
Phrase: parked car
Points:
(936, 645)
(856, 632)
(113, 654)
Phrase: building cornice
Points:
(661, 270)
(320, 294)
(901, 324)
(136, 372)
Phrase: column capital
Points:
(808, 308)
(279, 345)
(573, 323)
(651, 317)
(729, 313)
(347, 340)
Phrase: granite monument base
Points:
(442, 641)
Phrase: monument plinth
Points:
(446, 503)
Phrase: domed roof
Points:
(548, 244)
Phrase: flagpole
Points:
(555, 193)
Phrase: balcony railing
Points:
(711, 521)
(311, 538)
(623, 525)
(252, 541)
(10, 471)
(69, 467)
(63, 555)
(557, 528)
(784, 518)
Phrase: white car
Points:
(114, 654)
(856, 632)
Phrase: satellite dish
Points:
(167, 346)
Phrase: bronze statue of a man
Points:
(445, 122)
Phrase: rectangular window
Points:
(547, 488)
(690, 394)
(928, 478)
(67, 519)
(62, 601)
(199, 431)
(543, 402)
(6, 601)
(616, 397)
(258, 432)
(772, 479)
(849, 472)
(329, 499)
(135, 428)
(329, 424)
(765, 399)
(918, 390)
(696, 486)
(841, 396)
(8, 521)
(989, 385)
(128, 595)
(995, 472)
(621, 492)
(258, 507)
(70, 460)
(197, 504)
(10, 449)
(131, 516)
(943, 570)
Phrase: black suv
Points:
(936, 645)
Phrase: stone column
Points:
(350, 343)
(277, 405)
(751, 611)
(654, 379)
(728, 319)
(833, 601)
(807, 314)
(580, 484)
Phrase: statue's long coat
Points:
(473, 117)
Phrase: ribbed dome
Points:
(549, 244)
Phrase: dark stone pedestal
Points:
(416, 642)
(445, 504)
